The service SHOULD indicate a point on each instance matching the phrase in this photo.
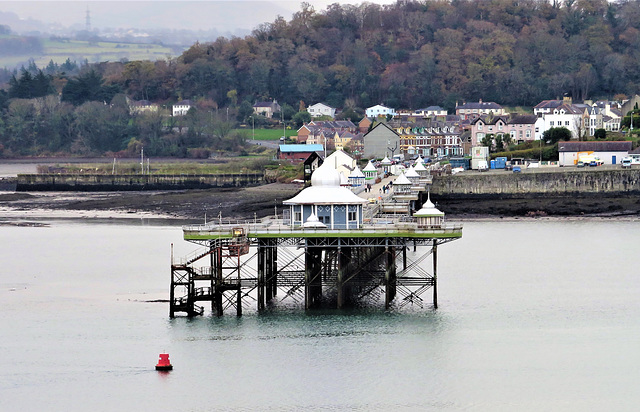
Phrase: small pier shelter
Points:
(370, 171)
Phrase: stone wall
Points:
(78, 182)
(535, 184)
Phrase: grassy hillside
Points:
(267, 134)
(77, 50)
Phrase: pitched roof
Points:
(523, 119)
(619, 146)
(265, 104)
(548, 104)
(480, 105)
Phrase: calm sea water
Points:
(534, 315)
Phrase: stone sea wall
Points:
(538, 184)
(82, 182)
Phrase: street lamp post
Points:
(392, 150)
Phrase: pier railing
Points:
(379, 226)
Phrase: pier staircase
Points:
(191, 284)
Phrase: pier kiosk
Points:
(329, 248)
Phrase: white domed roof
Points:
(428, 209)
(325, 189)
(325, 176)
(419, 167)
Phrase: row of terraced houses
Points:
(431, 132)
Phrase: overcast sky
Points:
(176, 14)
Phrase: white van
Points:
(483, 166)
(626, 162)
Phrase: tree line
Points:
(407, 55)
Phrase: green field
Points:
(267, 134)
(79, 51)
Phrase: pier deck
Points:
(259, 261)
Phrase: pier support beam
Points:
(217, 291)
(313, 275)
(271, 275)
(344, 258)
(261, 274)
(389, 276)
(435, 274)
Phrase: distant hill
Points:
(16, 51)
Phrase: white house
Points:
(321, 109)
(341, 161)
(267, 109)
(568, 116)
(182, 107)
(431, 111)
(379, 110)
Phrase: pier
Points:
(328, 248)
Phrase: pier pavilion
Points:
(329, 248)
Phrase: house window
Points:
(352, 216)
(551, 123)
(566, 123)
(479, 126)
(297, 217)
(528, 134)
(499, 126)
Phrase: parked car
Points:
(516, 169)
(593, 163)
(580, 163)
(626, 162)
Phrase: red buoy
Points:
(163, 363)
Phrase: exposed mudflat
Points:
(191, 204)
(561, 206)
(245, 202)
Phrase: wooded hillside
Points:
(413, 54)
(408, 55)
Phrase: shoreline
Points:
(260, 201)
